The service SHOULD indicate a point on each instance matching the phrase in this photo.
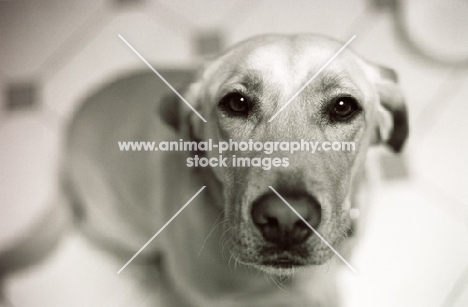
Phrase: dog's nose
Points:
(279, 224)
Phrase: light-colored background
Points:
(416, 247)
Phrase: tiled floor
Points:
(416, 246)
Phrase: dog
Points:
(237, 243)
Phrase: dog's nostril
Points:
(271, 221)
(279, 224)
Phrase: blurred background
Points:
(54, 53)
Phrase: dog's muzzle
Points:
(281, 226)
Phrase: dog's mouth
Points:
(284, 259)
(283, 262)
(279, 260)
(281, 265)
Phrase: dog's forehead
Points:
(297, 57)
(285, 61)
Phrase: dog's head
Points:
(240, 91)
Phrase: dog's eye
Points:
(344, 108)
(235, 104)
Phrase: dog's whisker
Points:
(211, 232)
(225, 242)
(235, 263)
(231, 258)
(276, 283)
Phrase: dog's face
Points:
(239, 93)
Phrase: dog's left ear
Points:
(392, 118)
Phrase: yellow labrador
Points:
(237, 239)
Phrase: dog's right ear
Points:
(179, 116)
(169, 109)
